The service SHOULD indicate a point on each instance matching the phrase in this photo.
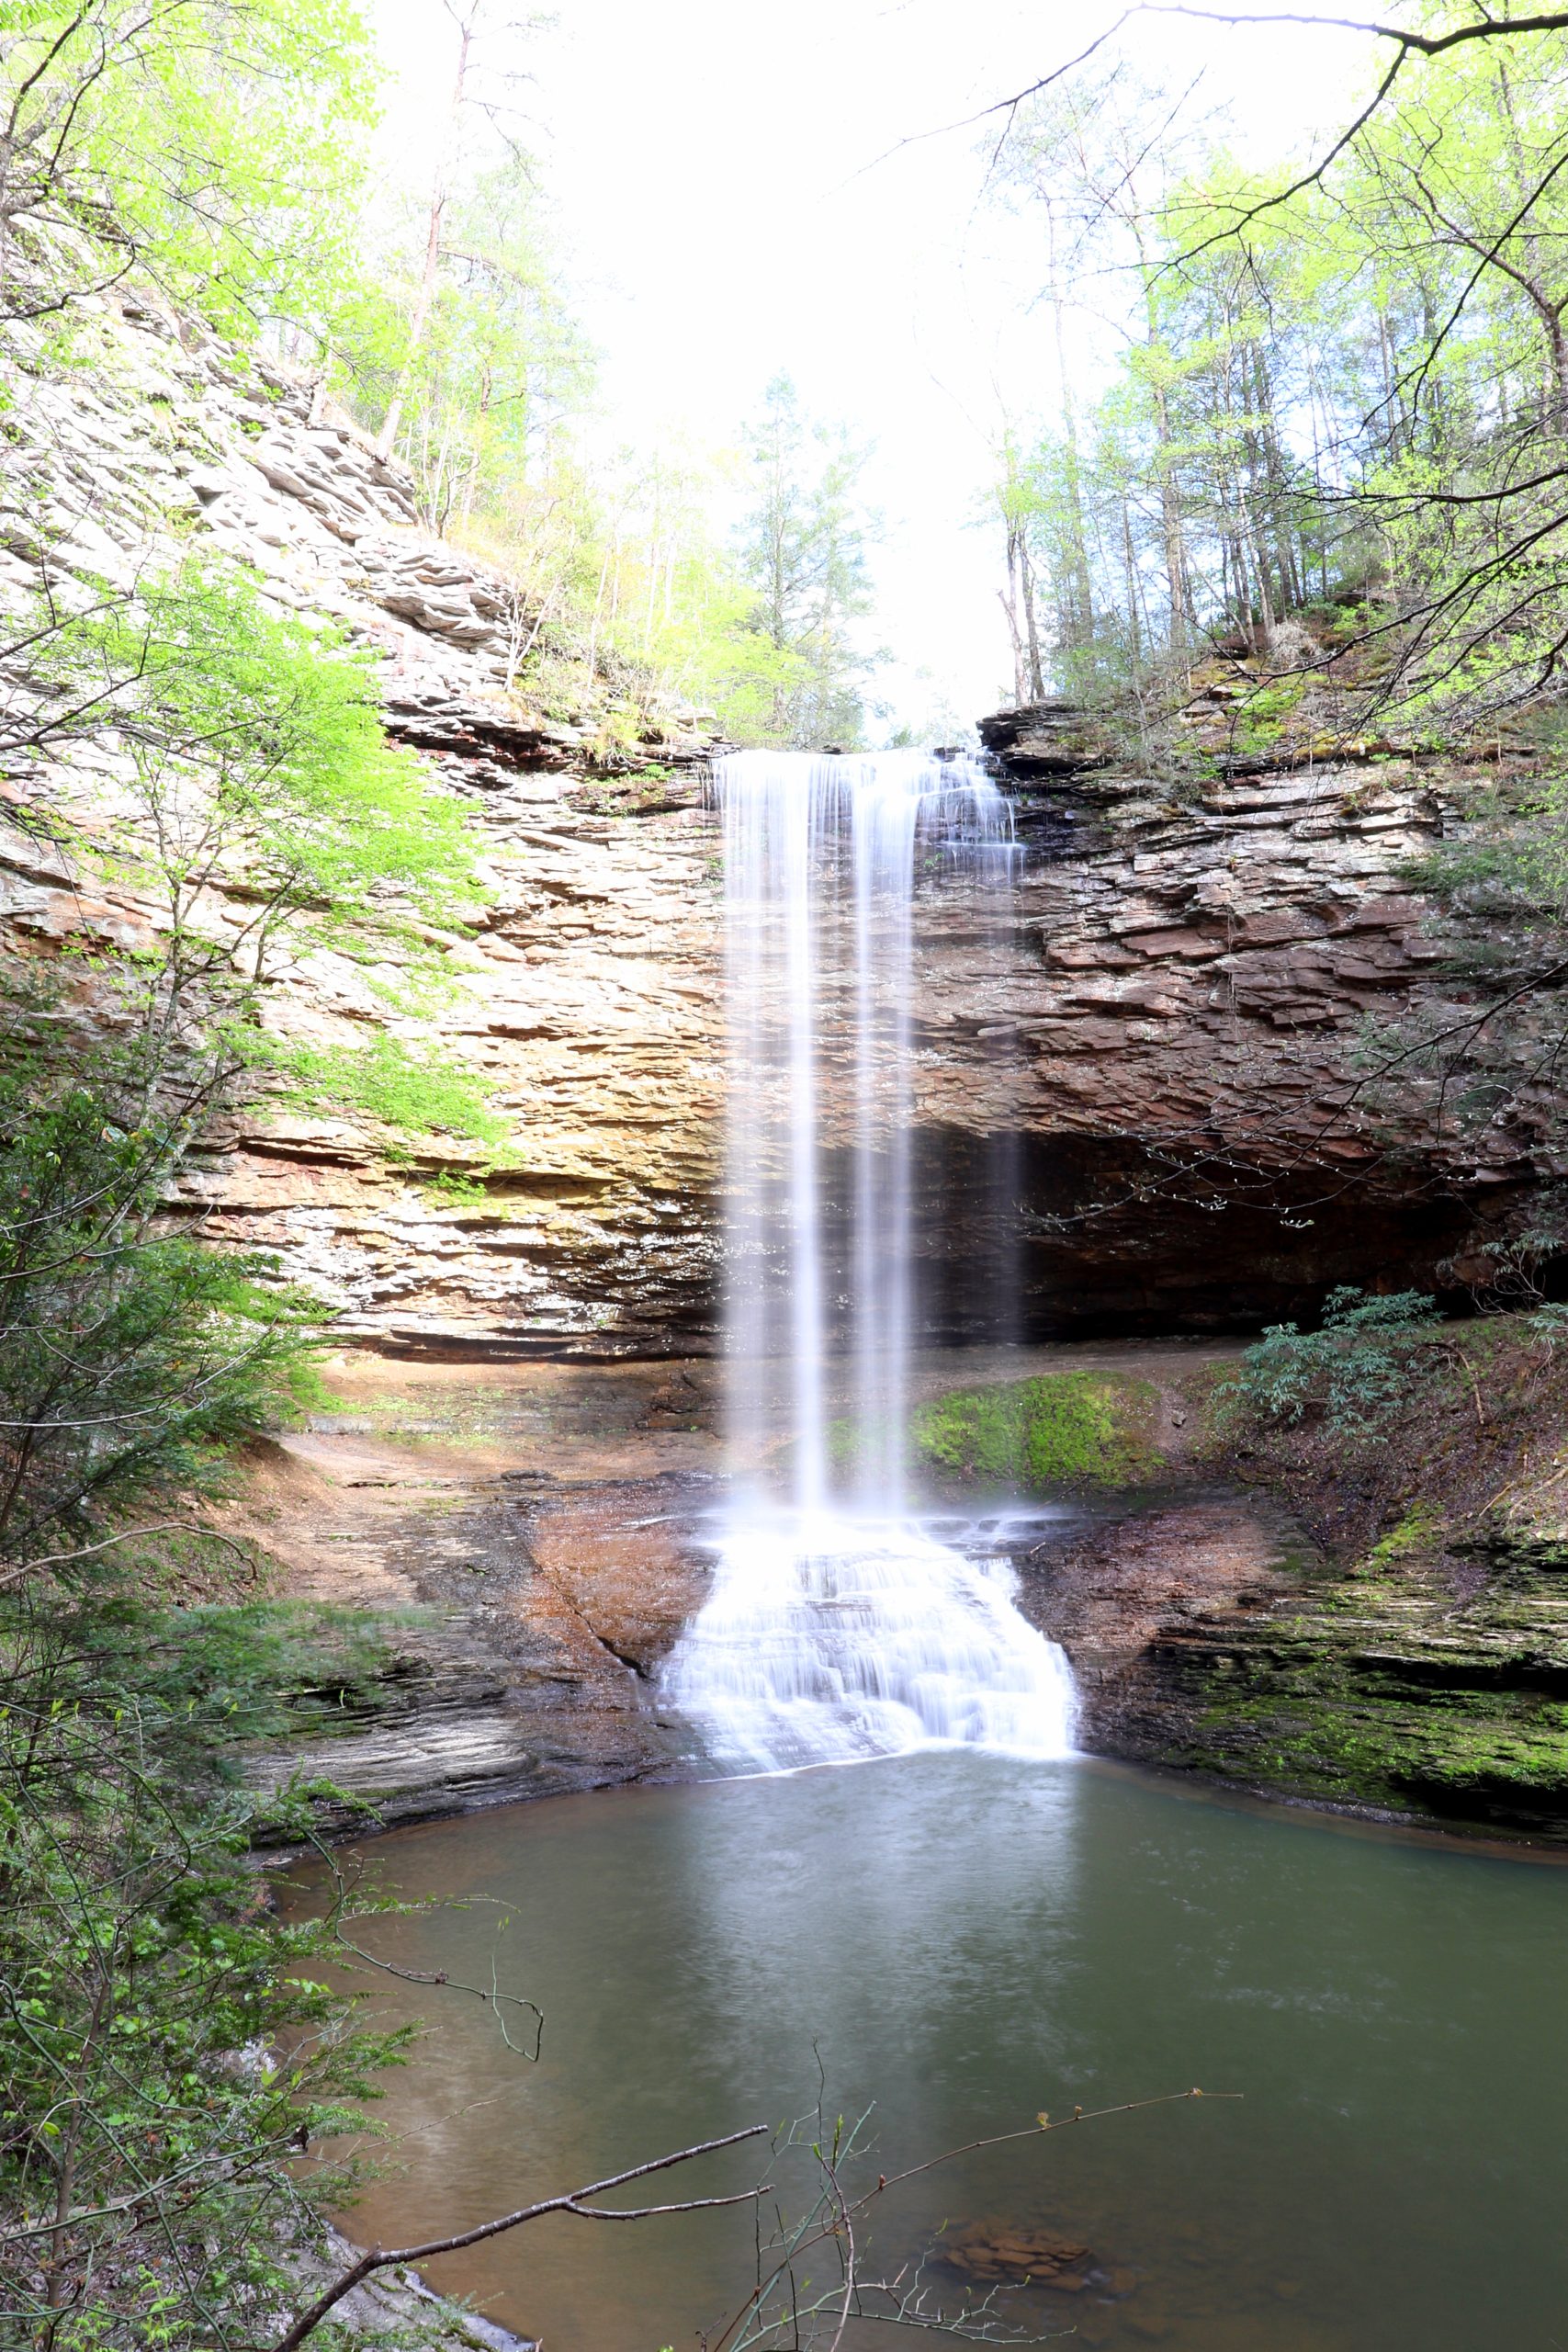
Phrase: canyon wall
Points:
(587, 1001)
(1168, 1050)
(1148, 1047)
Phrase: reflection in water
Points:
(966, 1939)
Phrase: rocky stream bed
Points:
(518, 1546)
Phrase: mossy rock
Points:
(1066, 1429)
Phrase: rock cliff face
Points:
(1153, 1049)
(1148, 1047)
(590, 1006)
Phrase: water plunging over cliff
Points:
(837, 1626)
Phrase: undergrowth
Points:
(1356, 1370)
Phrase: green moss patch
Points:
(1417, 1530)
(1396, 1690)
(1065, 1429)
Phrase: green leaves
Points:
(1357, 1370)
(410, 1090)
(216, 146)
(804, 549)
(144, 1985)
(1342, 393)
(126, 1355)
(260, 757)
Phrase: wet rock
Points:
(1110, 1595)
(509, 1617)
(1005, 2253)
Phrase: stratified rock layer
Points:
(587, 1001)
(1377, 1620)
(1158, 1054)
(515, 1547)
(1142, 1061)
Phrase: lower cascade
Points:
(840, 1625)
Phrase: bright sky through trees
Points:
(722, 182)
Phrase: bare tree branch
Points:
(573, 2202)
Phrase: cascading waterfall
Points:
(837, 1626)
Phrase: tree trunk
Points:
(1031, 625)
(386, 440)
(1135, 641)
(1007, 598)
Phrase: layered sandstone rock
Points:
(1163, 1045)
(515, 1547)
(587, 1002)
(1148, 1047)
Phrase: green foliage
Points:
(1419, 1526)
(128, 1355)
(1357, 1370)
(1260, 713)
(215, 149)
(619, 587)
(171, 2046)
(455, 1188)
(410, 1090)
(804, 552)
(218, 152)
(621, 565)
(1344, 394)
(259, 755)
(1510, 863)
(1502, 885)
(1064, 1429)
(502, 368)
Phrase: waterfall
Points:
(838, 1624)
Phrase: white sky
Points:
(720, 173)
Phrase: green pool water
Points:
(960, 1941)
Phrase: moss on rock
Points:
(1383, 1690)
(1065, 1429)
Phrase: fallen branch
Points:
(832, 2219)
(574, 2201)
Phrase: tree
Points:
(804, 549)
(480, 89)
(1350, 371)
(1018, 496)
(253, 757)
(504, 362)
(214, 147)
(1096, 160)
(254, 762)
(170, 2049)
(1345, 385)
(128, 1353)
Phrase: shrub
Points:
(128, 1352)
(170, 2046)
(1358, 1368)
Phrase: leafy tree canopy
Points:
(214, 145)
